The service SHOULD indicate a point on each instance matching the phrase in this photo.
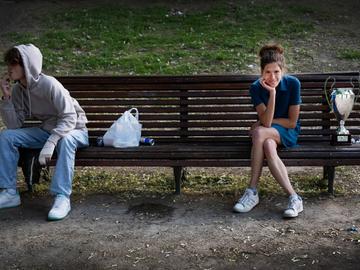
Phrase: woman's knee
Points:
(259, 135)
(270, 148)
(256, 134)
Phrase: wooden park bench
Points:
(203, 121)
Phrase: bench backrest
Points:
(201, 108)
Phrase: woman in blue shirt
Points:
(276, 98)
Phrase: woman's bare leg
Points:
(259, 136)
(276, 166)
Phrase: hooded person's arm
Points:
(66, 115)
(12, 112)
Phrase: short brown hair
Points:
(272, 53)
(13, 57)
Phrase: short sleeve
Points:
(255, 95)
(295, 92)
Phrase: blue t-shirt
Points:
(287, 94)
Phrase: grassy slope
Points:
(119, 40)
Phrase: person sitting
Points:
(276, 98)
(63, 126)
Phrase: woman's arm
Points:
(294, 111)
(266, 120)
(266, 113)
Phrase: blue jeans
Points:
(11, 139)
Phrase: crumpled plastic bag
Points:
(125, 131)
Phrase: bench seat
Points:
(214, 155)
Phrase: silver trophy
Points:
(341, 103)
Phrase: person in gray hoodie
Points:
(63, 126)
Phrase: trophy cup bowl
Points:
(342, 102)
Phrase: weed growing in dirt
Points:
(349, 54)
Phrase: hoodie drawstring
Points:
(26, 92)
(29, 103)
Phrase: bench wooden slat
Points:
(205, 162)
(212, 134)
(221, 124)
(206, 151)
(155, 94)
(165, 102)
(118, 110)
(152, 93)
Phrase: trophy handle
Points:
(353, 86)
(331, 87)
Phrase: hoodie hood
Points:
(32, 60)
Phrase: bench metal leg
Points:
(179, 176)
(329, 174)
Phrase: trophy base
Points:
(340, 139)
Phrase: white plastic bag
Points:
(124, 132)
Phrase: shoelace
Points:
(59, 202)
(245, 199)
(292, 204)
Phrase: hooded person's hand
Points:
(5, 86)
(46, 152)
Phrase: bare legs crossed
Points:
(265, 142)
(264, 146)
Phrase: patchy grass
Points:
(143, 41)
(89, 180)
(349, 54)
(128, 182)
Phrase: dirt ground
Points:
(181, 232)
(106, 231)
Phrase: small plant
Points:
(349, 54)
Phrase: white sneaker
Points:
(60, 209)
(247, 202)
(8, 200)
(294, 208)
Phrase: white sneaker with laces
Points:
(60, 208)
(295, 206)
(8, 200)
(247, 202)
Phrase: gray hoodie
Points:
(44, 99)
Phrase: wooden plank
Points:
(148, 93)
(165, 102)
(206, 163)
(315, 77)
(96, 110)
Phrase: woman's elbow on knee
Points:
(293, 125)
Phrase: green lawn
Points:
(119, 40)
